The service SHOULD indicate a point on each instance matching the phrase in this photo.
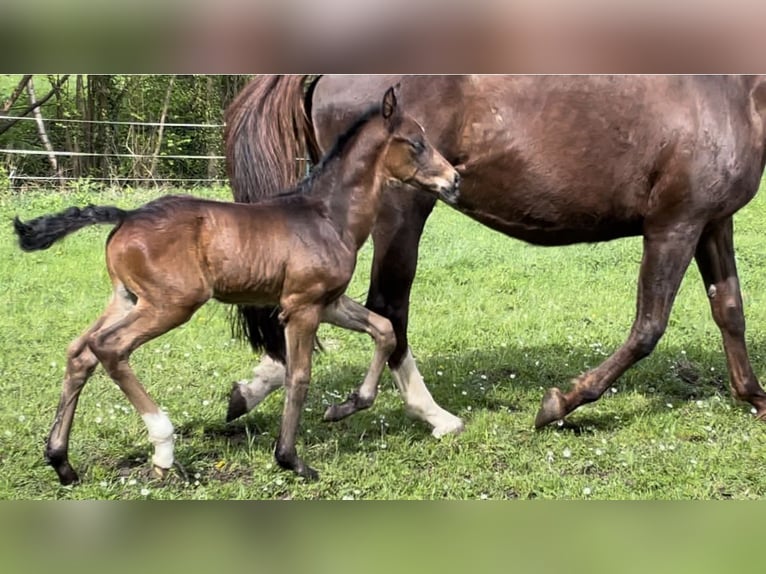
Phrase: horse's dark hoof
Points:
(237, 404)
(308, 473)
(761, 415)
(297, 466)
(334, 413)
(553, 408)
(67, 475)
(59, 460)
(351, 405)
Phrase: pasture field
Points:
(494, 322)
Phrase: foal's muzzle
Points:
(451, 194)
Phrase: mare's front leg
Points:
(667, 253)
(349, 314)
(300, 334)
(396, 238)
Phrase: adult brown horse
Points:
(298, 250)
(551, 161)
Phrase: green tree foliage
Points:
(106, 100)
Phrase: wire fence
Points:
(130, 162)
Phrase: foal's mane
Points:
(337, 149)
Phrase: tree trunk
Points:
(161, 129)
(16, 93)
(31, 107)
(42, 132)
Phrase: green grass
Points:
(494, 322)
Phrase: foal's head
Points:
(411, 158)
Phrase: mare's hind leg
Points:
(349, 314)
(268, 376)
(715, 259)
(113, 346)
(300, 333)
(667, 254)
(81, 362)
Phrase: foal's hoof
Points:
(340, 411)
(158, 473)
(67, 475)
(451, 425)
(60, 462)
(334, 413)
(553, 408)
(298, 467)
(237, 404)
(308, 473)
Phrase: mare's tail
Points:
(268, 128)
(42, 232)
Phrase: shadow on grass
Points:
(519, 377)
(472, 383)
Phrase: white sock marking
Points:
(419, 402)
(161, 436)
(268, 376)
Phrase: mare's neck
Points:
(356, 180)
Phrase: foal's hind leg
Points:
(715, 259)
(81, 362)
(667, 254)
(114, 344)
(349, 314)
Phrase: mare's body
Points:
(554, 161)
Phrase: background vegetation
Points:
(106, 99)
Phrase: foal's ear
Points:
(389, 102)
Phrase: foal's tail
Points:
(42, 232)
(268, 129)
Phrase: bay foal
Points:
(298, 250)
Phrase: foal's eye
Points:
(418, 147)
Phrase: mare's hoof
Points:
(453, 426)
(237, 404)
(553, 408)
(761, 415)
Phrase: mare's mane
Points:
(337, 149)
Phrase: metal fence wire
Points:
(23, 167)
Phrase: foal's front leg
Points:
(300, 333)
(349, 314)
